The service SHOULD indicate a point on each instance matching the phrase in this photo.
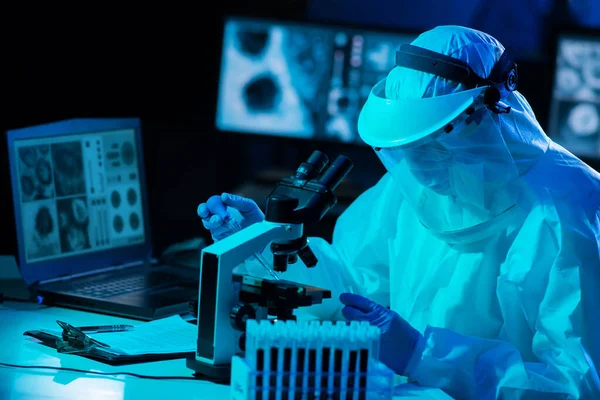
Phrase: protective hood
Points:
(461, 178)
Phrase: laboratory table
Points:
(40, 384)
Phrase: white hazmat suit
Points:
(487, 242)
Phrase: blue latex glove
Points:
(398, 338)
(215, 214)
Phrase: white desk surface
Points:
(18, 383)
(40, 384)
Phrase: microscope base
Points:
(215, 373)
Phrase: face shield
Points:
(446, 153)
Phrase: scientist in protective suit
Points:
(482, 238)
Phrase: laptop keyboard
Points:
(123, 285)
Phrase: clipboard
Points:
(74, 341)
(107, 357)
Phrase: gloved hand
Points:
(215, 214)
(398, 338)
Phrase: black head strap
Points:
(447, 67)
(502, 80)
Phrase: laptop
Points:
(81, 216)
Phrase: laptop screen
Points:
(78, 193)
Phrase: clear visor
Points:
(456, 180)
(409, 122)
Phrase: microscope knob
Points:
(240, 314)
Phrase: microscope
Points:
(227, 300)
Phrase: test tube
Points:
(363, 359)
(317, 362)
(339, 340)
(279, 329)
(269, 363)
(326, 361)
(259, 340)
(260, 373)
(235, 226)
(347, 339)
(293, 339)
(314, 358)
(303, 361)
(352, 371)
(334, 358)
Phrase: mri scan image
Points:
(575, 120)
(578, 70)
(300, 80)
(35, 173)
(73, 224)
(271, 78)
(579, 127)
(40, 228)
(67, 159)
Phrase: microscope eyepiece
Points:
(336, 172)
(311, 168)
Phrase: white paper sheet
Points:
(167, 335)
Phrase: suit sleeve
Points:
(558, 304)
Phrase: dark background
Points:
(162, 64)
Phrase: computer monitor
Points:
(575, 105)
(78, 188)
(300, 80)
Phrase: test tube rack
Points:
(310, 360)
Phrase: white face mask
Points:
(465, 181)
(457, 180)
(430, 164)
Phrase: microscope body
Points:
(218, 340)
(303, 198)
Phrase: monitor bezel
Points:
(557, 34)
(298, 21)
(34, 272)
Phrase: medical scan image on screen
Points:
(299, 80)
(79, 193)
(575, 116)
